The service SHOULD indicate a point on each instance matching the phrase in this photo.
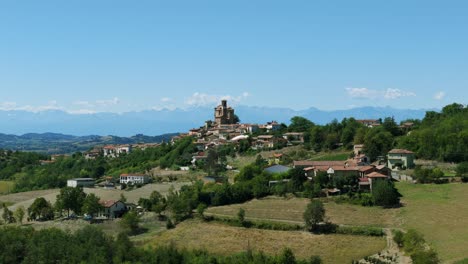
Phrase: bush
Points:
(359, 230)
(398, 237)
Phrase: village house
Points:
(272, 126)
(134, 178)
(112, 209)
(369, 122)
(400, 159)
(114, 151)
(368, 181)
(358, 149)
(276, 158)
(294, 137)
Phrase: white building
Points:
(80, 182)
(134, 178)
(114, 151)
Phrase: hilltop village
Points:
(303, 189)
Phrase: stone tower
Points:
(224, 115)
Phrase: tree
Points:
(297, 176)
(315, 260)
(41, 209)
(462, 168)
(241, 216)
(19, 214)
(70, 199)
(158, 202)
(123, 199)
(314, 214)
(201, 210)
(385, 194)
(300, 124)
(130, 221)
(91, 205)
(287, 257)
(7, 215)
(377, 143)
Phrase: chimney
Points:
(224, 103)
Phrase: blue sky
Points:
(116, 56)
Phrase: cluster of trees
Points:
(378, 140)
(92, 245)
(441, 136)
(12, 162)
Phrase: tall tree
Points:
(41, 209)
(70, 199)
(314, 214)
(19, 214)
(91, 205)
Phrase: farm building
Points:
(81, 182)
(134, 178)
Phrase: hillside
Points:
(55, 143)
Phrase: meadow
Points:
(225, 240)
(6, 186)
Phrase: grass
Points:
(227, 240)
(334, 156)
(291, 210)
(6, 186)
(439, 212)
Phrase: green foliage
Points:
(300, 124)
(41, 209)
(425, 257)
(359, 230)
(377, 142)
(441, 136)
(19, 214)
(241, 216)
(70, 199)
(7, 215)
(130, 222)
(91, 205)
(398, 237)
(314, 214)
(462, 168)
(385, 194)
(423, 175)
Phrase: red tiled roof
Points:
(278, 155)
(376, 175)
(107, 203)
(363, 179)
(366, 168)
(400, 151)
(310, 163)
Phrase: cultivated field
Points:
(227, 240)
(440, 212)
(292, 209)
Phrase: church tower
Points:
(223, 114)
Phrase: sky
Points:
(116, 56)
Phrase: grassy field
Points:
(6, 186)
(226, 240)
(336, 156)
(291, 209)
(440, 212)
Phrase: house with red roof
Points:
(112, 208)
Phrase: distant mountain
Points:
(54, 143)
(157, 122)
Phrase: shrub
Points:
(398, 237)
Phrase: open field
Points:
(291, 210)
(6, 186)
(27, 198)
(226, 240)
(338, 156)
(440, 212)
